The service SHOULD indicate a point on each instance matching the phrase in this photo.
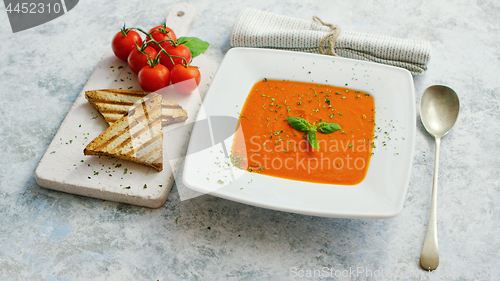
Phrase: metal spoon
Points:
(439, 108)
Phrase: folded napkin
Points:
(255, 28)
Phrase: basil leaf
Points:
(311, 137)
(327, 128)
(195, 45)
(299, 124)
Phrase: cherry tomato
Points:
(180, 51)
(185, 78)
(153, 78)
(137, 60)
(162, 33)
(124, 42)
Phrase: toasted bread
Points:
(114, 103)
(137, 136)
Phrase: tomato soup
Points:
(266, 143)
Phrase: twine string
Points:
(331, 38)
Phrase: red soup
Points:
(268, 144)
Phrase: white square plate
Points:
(383, 191)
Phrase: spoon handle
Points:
(429, 257)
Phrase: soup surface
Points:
(266, 143)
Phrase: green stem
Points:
(124, 31)
(172, 56)
(162, 50)
(145, 33)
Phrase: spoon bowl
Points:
(439, 107)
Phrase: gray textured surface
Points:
(56, 236)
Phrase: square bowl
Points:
(383, 191)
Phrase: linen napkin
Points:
(255, 28)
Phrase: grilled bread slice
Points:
(114, 103)
(137, 136)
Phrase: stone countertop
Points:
(56, 236)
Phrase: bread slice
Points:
(114, 103)
(137, 136)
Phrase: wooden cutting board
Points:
(64, 167)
